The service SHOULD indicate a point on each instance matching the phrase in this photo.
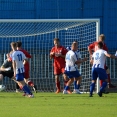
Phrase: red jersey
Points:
(59, 61)
(92, 46)
(26, 66)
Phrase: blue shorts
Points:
(99, 72)
(72, 74)
(20, 77)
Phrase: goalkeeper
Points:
(6, 69)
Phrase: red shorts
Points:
(58, 71)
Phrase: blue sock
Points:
(26, 89)
(75, 84)
(78, 86)
(92, 86)
(66, 88)
(104, 84)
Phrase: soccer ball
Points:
(2, 87)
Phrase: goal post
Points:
(37, 37)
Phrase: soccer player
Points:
(91, 48)
(78, 82)
(6, 69)
(98, 60)
(58, 53)
(70, 68)
(26, 67)
(18, 67)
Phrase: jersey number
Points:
(97, 56)
(20, 57)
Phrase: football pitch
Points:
(58, 105)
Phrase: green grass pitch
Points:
(57, 105)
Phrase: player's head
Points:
(56, 42)
(74, 46)
(13, 46)
(101, 38)
(19, 44)
(100, 45)
(8, 57)
(76, 43)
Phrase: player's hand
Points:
(85, 59)
(91, 62)
(58, 54)
(91, 56)
(7, 69)
(52, 53)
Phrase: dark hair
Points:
(19, 43)
(13, 44)
(56, 39)
(100, 44)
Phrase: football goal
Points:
(37, 37)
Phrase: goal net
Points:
(37, 38)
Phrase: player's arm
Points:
(14, 67)
(81, 60)
(79, 56)
(27, 54)
(25, 59)
(5, 69)
(90, 48)
(52, 53)
(91, 60)
(110, 55)
(78, 61)
(4, 66)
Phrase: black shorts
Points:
(7, 74)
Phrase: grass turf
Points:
(58, 105)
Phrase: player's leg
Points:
(70, 81)
(77, 85)
(102, 76)
(77, 82)
(21, 82)
(11, 76)
(109, 79)
(1, 77)
(18, 87)
(57, 72)
(94, 78)
(29, 82)
(66, 79)
(57, 84)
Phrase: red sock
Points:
(101, 81)
(30, 83)
(21, 87)
(58, 85)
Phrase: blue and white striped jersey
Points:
(77, 52)
(71, 58)
(99, 58)
(18, 57)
